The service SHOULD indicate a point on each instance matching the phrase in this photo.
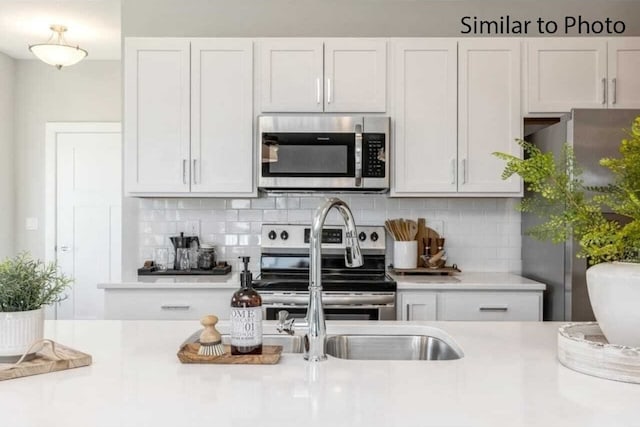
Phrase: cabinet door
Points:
(156, 115)
(417, 305)
(222, 116)
(566, 73)
(426, 108)
(624, 72)
(355, 73)
(488, 113)
(291, 75)
(469, 305)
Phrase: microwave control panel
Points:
(374, 156)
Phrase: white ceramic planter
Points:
(614, 291)
(18, 330)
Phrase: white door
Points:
(88, 215)
(426, 100)
(222, 117)
(355, 73)
(489, 113)
(291, 75)
(624, 72)
(156, 114)
(418, 305)
(566, 73)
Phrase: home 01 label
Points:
(246, 326)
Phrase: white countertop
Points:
(508, 377)
(461, 281)
(468, 281)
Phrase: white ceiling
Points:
(94, 25)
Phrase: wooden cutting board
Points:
(188, 353)
(45, 362)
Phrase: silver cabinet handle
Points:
(604, 90)
(464, 171)
(184, 171)
(328, 90)
(318, 90)
(195, 181)
(614, 90)
(495, 309)
(175, 307)
(408, 308)
(453, 171)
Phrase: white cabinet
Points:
(566, 73)
(188, 117)
(490, 305)
(425, 90)
(222, 116)
(455, 104)
(156, 115)
(166, 304)
(309, 75)
(624, 72)
(507, 305)
(489, 118)
(416, 305)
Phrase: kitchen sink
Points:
(390, 347)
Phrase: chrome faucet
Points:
(314, 322)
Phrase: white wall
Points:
(7, 75)
(88, 91)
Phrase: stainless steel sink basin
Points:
(290, 344)
(390, 347)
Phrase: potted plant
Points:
(26, 286)
(611, 248)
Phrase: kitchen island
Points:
(509, 376)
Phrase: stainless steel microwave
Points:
(323, 153)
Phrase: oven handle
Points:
(329, 300)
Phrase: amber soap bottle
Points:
(246, 316)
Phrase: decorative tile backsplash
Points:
(482, 234)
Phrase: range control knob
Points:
(284, 235)
(272, 235)
(374, 236)
(362, 236)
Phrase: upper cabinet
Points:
(566, 73)
(309, 75)
(156, 115)
(188, 117)
(489, 117)
(455, 104)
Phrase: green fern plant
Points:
(561, 199)
(28, 284)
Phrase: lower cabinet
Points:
(470, 305)
(166, 304)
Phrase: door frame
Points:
(52, 129)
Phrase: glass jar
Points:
(206, 257)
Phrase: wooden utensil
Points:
(412, 229)
(422, 234)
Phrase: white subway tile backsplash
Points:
(482, 234)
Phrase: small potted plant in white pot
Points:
(26, 287)
(611, 248)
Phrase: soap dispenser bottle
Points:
(246, 316)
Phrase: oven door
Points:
(329, 313)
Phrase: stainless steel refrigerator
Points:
(594, 134)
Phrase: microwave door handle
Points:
(358, 155)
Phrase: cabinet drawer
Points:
(489, 306)
(166, 304)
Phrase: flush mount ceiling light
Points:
(56, 51)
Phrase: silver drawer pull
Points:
(501, 309)
(175, 307)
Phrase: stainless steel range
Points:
(363, 293)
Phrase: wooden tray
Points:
(45, 362)
(188, 353)
(442, 271)
(215, 271)
(583, 348)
